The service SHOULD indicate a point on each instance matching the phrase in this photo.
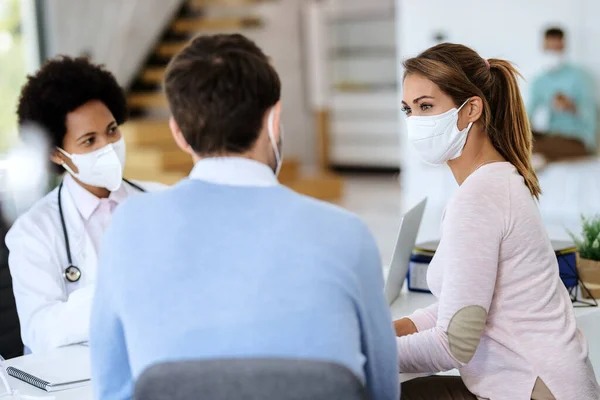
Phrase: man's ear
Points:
(178, 137)
(277, 121)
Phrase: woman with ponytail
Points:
(503, 316)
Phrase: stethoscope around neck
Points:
(73, 273)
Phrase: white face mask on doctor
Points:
(552, 60)
(437, 138)
(277, 147)
(102, 168)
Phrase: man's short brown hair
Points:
(219, 88)
(555, 33)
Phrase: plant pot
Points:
(589, 273)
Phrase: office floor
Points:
(376, 199)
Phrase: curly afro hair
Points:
(62, 85)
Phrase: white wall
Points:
(510, 29)
(281, 39)
(117, 33)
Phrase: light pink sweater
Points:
(494, 253)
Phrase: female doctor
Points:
(54, 246)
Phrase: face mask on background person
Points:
(277, 147)
(102, 167)
(437, 138)
(552, 60)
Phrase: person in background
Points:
(503, 317)
(562, 106)
(241, 266)
(53, 247)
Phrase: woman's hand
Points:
(404, 327)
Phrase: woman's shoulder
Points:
(489, 182)
(486, 192)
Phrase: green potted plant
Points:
(588, 249)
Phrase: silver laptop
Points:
(407, 238)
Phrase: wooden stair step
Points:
(148, 132)
(196, 24)
(151, 100)
(169, 49)
(177, 160)
(162, 142)
(167, 178)
(153, 75)
(222, 3)
(158, 159)
(290, 171)
(147, 160)
(323, 186)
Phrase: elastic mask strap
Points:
(69, 170)
(463, 104)
(65, 153)
(64, 165)
(272, 139)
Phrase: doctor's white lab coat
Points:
(54, 312)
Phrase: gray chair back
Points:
(249, 379)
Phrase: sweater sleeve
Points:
(377, 333)
(472, 231)
(425, 318)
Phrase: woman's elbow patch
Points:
(464, 332)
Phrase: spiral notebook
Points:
(60, 369)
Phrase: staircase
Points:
(151, 152)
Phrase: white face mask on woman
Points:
(102, 168)
(437, 138)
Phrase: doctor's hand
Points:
(564, 104)
(404, 327)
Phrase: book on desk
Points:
(60, 369)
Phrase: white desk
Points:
(588, 320)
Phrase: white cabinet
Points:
(361, 64)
